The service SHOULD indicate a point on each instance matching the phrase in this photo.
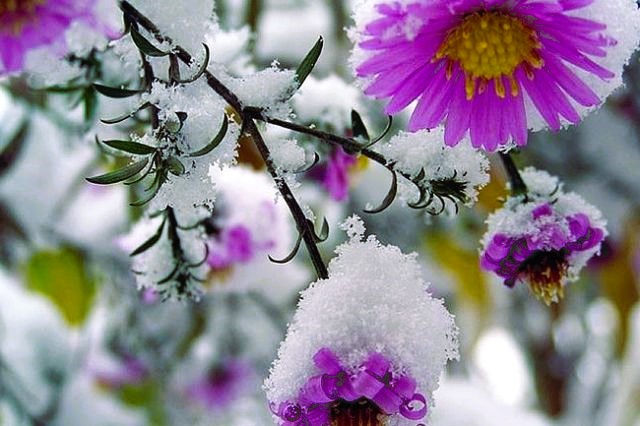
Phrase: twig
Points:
(308, 234)
(348, 144)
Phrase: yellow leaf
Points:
(62, 277)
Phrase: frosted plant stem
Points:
(303, 225)
(518, 187)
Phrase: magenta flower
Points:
(130, 372)
(543, 241)
(234, 245)
(29, 24)
(222, 385)
(494, 68)
(334, 175)
(338, 397)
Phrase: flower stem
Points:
(518, 187)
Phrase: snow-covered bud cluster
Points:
(353, 349)
(543, 238)
(437, 172)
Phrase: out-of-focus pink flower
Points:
(222, 385)
(334, 175)
(29, 24)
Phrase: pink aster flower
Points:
(130, 371)
(493, 69)
(543, 240)
(29, 24)
(235, 245)
(222, 385)
(339, 397)
(334, 175)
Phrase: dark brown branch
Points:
(302, 223)
(348, 144)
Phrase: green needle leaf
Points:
(130, 147)
(309, 62)
(393, 191)
(115, 92)
(145, 45)
(120, 174)
(215, 142)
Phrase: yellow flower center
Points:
(17, 13)
(489, 46)
(546, 273)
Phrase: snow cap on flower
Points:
(542, 239)
(493, 68)
(454, 173)
(26, 25)
(354, 348)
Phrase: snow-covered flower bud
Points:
(543, 238)
(438, 172)
(353, 351)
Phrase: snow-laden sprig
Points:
(186, 24)
(327, 102)
(438, 172)
(167, 259)
(374, 302)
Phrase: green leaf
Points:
(215, 142)
(130, 147)
(12, 150)
(175, 166)
(90, 104)
(324, 232)
(358, 127)
(125, 116)
(61, 275)
(145, 45)
(62, 89)
(384, 132)
(151, 241)
(291, 255)
(120, 174)
(393, 191)
(115, 92)
(150, 192)
(309, 62)
(203, 67)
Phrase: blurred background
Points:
(80, 345)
